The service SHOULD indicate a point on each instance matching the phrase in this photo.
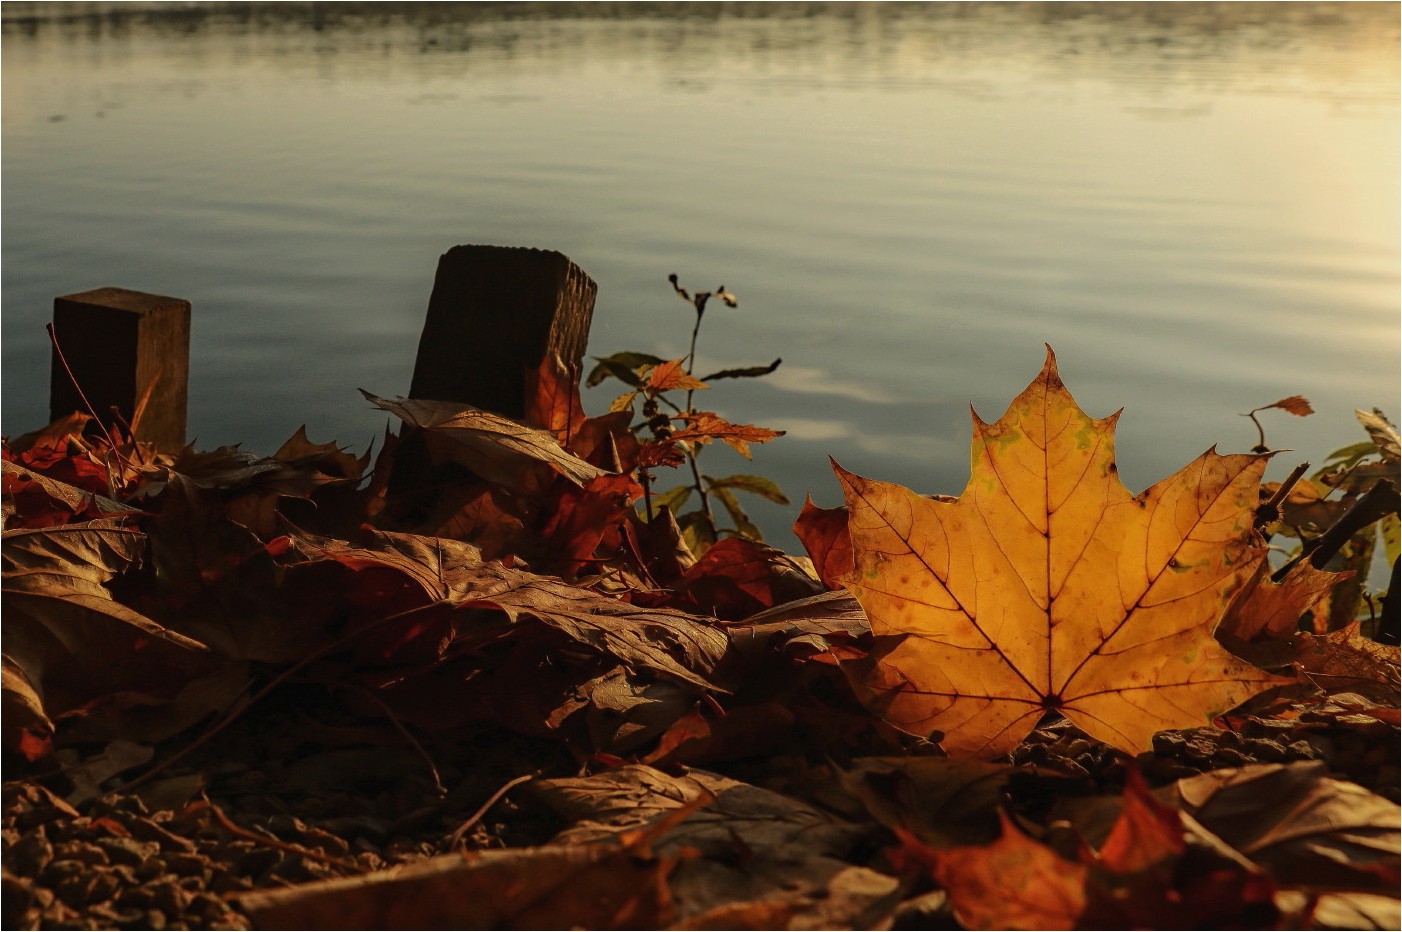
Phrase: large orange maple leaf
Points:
(1047, 586)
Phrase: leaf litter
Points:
(294, 692)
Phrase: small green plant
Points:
(1339, 517)
(672, 432)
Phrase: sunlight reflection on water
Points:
(1196, 204)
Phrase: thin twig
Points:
(73, 380)
(438, 786)
(239, 707)
(1260, 431)
(482, 810)
(239, 831)
(1377, 502)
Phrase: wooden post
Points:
(494, 313)
(119, 344)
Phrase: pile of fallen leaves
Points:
(468, 685)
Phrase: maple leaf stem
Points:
(691, 354)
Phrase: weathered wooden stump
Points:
(495, 312)
(122, 346)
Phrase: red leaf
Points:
(669, 376)
(1146, 832)
(705, 426)
(582, 517)
(1297, 405)
(823, 533)
(552, 398)
(737, 578)
(1014, 883)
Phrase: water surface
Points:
(1196, 205)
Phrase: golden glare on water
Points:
(1196, 204)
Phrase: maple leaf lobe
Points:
(1047, 586)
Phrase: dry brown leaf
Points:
(1297, 405)
(63, 628)
(1014, 883)
(1346, 661)
(1048, 587)
(823, 533)
(1382, 433)
(1302, 826)
(1266, 610)
(494, 447)
(612, 884)
(748, 845)
(670, 376)
(943, 803)
(451, 572)
(27, 729)
(71, 497)
(703, 426)
(552, 398)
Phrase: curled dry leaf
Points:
(941, 802)
(737, 578)
(1345, 661)
(63, 628)
(494, 447)
(33, 499)
(27, 730)
(1047, 586)
(1382, 432)
(552, 398)
(1299, 824)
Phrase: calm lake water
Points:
(1196, 205)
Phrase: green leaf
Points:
(742, 521)
(698, 530)
(622, 366)
(746, 373)
(755, 485)
(673, 498)
(1347, 456)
